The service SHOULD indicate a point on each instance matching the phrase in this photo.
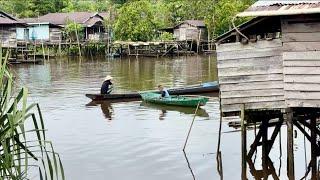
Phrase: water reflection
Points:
(162, 115)
(106, 107)
(189, 165)
(185, 110)
(263, 142)
(136, 141)
(265, 155)
(107, 110)
(265, 172)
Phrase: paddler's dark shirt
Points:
(105, 87)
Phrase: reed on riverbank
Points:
(24, 148)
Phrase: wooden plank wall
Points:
(8, 36)
(251, 74)
(301, 43)
(55, 35)
(190, 33)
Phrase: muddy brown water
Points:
(132, 140)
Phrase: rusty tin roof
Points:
(279, 8)
(196, 23)
(85, 18)
(6, 19)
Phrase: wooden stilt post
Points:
(129, 50)
(78, 41)
(106, 52)
(290, 155)
(136, 51)
(48, 55)
(107, 49)
(243, 144)
(165, 47)
(68, 47)
(59, 48)
(265, 148)
(43, 51)
(34, 51)
(209, 45)
(198, 42)
(313, 162)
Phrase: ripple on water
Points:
(119, 141)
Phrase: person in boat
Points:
(164, 92)
(106, 87)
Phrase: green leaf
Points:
(50, 166)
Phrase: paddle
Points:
(194, 117)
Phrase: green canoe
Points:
(190, 101)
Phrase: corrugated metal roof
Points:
(6, 15)
(8, 21)
(279, 8)
(36, 21)
(29, 20)
(78, 17)
(272, 2)
(94, 21)
(196, 23)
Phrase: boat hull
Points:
(185, 101)
(177, 91)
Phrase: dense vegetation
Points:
(139, 19)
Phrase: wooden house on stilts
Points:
(269, 67)
(8, 26)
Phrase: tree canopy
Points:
(136, 18)
(135, 21)
(139, 19)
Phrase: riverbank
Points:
(34, 52)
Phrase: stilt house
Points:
(8, 26)
(269, 67)
(37, 30)
(190, 30)
(92, 23)
(272, 61)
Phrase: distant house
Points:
(109, 16)
(92, 23)
(190, 30)
(39, 31)
(8, 26)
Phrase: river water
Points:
(132, 140)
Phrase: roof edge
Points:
(283, 2)
(187, 21)
(278, 13)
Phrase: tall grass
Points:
(25, 153)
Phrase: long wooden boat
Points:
(195, 89)
(187, 101)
